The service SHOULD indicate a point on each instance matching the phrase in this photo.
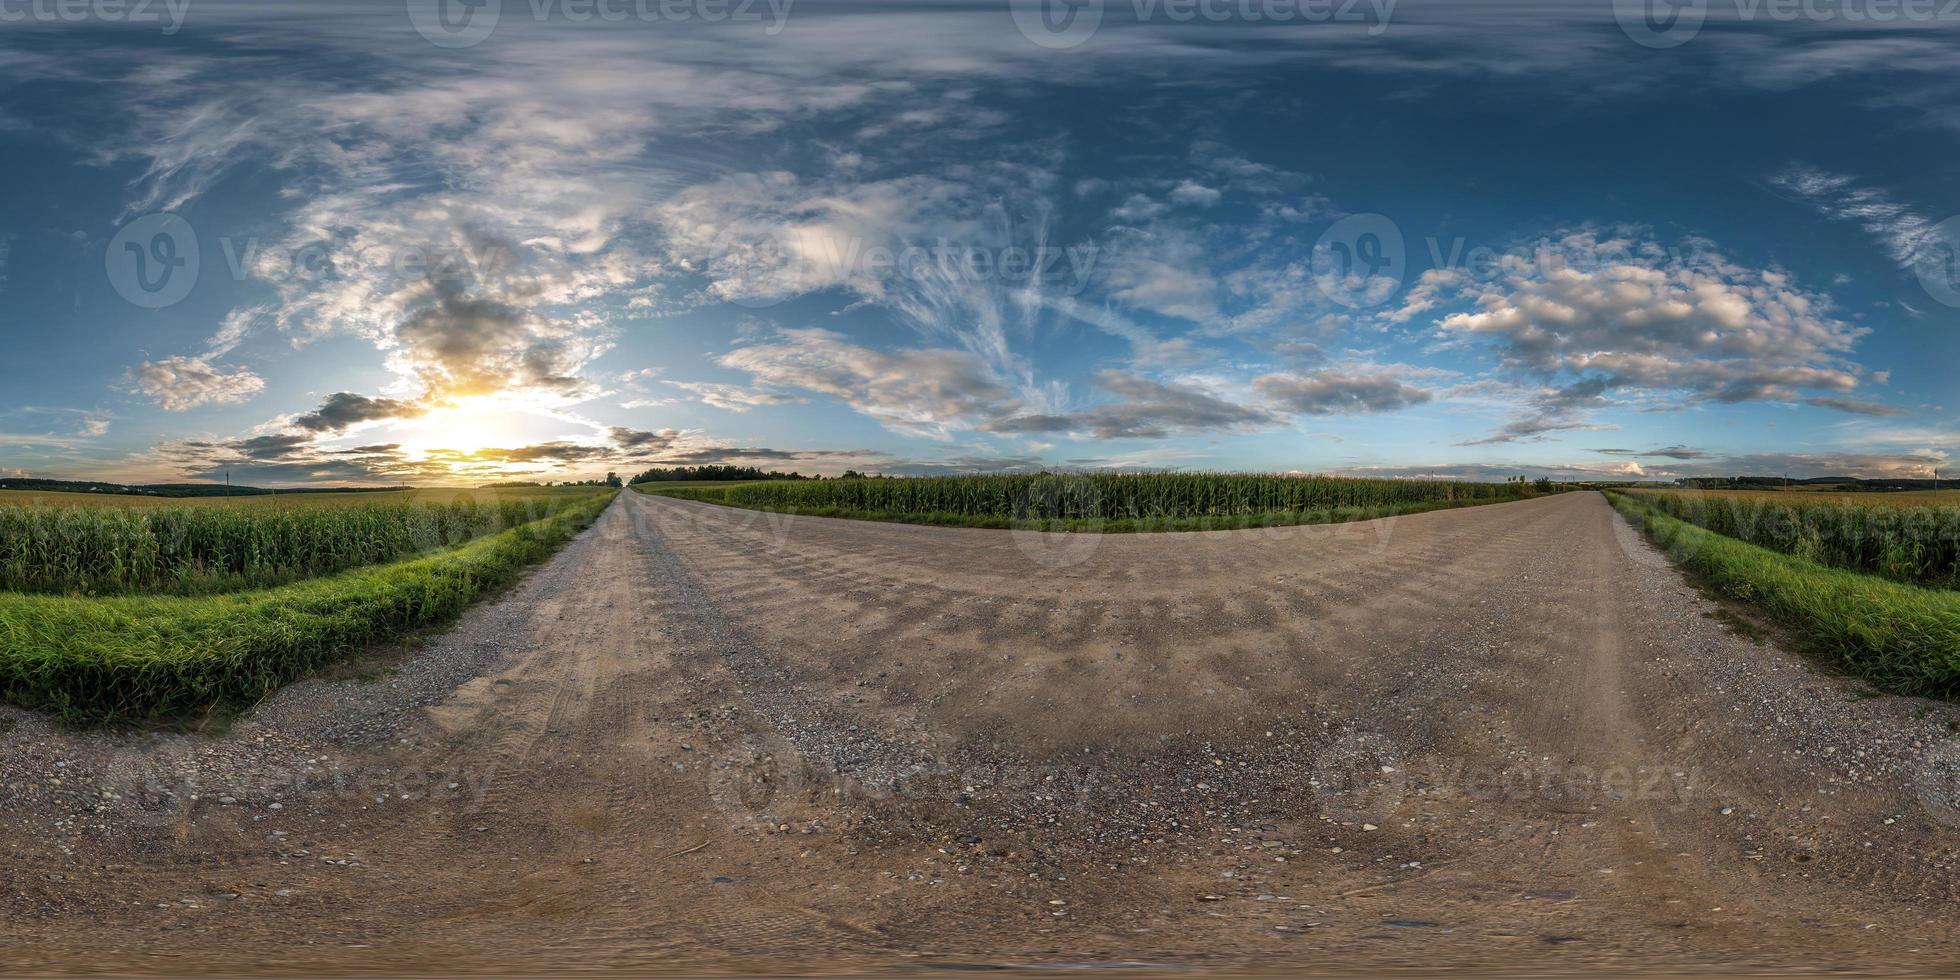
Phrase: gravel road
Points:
(1502, 738)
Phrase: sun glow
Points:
(463, 428)
(461, 432)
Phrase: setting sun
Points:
(465, 428)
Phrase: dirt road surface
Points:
(1501, 738)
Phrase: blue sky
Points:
(362, 243)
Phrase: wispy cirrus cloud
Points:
(1910, 238)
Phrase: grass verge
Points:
(138, 658)
(1090, 525)
(1905, 638)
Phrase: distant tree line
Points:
(674, 474)
(1814, 483)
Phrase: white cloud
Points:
(925, 392)
(1593, 316)
(734, 398)
(179, 384)
(1335, 392)
(1147, 409)
(1193, 193)
(1161, 269)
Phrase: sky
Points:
(446, 242)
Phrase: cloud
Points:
(462, 345)
(343, 409)
(962, 258)
(178, 384)
(928, 392)
(1193, 193)
(1161, 269)
(1148, 410)
(1593, 315)
(1338, 393)
(626, 437)
(1911, 239)
(733, 398)
(1552, 410)
(1671, 452)
(1916, 465)
(1852, 405)
(296, 458)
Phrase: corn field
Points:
(1113, 497)
(127, 657)
(1920, 545)
(204, 550)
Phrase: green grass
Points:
(148, 657)
(205, 549)
(1903, 637)
(1107, 503)
(1906, 543)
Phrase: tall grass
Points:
(1130, 501)
(202, 550)
(139, 657)
(1920, 545)
(1902, 637)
